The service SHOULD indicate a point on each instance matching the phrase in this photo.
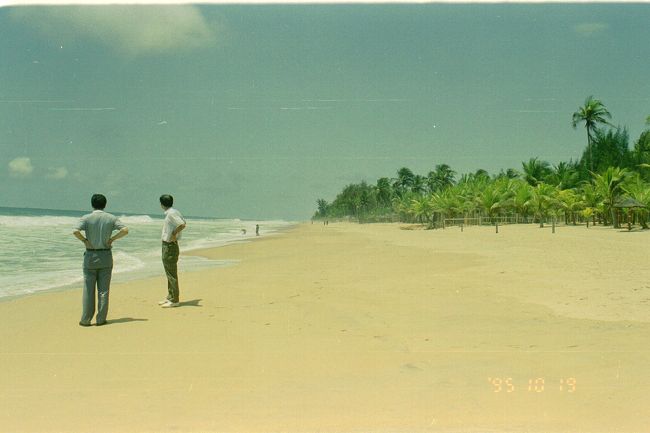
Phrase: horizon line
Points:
(153, 215)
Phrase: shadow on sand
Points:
(124, 320)
(192, 303)
(632, 230)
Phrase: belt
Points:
(98, 249)
(169, 243)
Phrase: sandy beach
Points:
(352, 328)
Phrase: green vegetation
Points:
(583, 191)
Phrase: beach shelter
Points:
(629, 203)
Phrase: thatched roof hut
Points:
(629, 202)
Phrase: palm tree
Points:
(521, 198)
(641, 152)
(402, 205)
(564, 175)
(593, 113)
(442, 177)
(542, 200)
(510, 173)
(384, 191)
(609, 148)
(418, 185)
(404, 180)
(465, 196)
(492, 197)
(609, 185)
(571, 203)
(535, 171)
(322, 207)
(364, 201)
(480, 173)
(591, 199)
(446, 202)
(421, 208)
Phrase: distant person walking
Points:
(172, 226)
(98, 227)
(257, 229)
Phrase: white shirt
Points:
(173, 219)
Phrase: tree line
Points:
(587, 190)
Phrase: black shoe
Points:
(84, 324)
(100, 323)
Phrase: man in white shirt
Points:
(173, 225)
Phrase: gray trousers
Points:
(170, 262)
(98, 267)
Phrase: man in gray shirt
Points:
(98, 258)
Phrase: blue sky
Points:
(257, 111)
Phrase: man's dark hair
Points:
(98, 201)
(166, 200)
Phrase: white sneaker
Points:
(164, 301)
(170, 304)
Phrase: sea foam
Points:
(38, 251)
(137, 219)
(37, 221)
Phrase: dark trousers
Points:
(170, 262)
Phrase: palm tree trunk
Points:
(615, 223)
(591, 157)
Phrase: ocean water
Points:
(38, 251)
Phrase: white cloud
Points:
(20, 167)
(587, 30)
(57, 173)
(130, 30)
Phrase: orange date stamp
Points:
(533, 385)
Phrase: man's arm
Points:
(78, 235)
(123, 232)
(176, 231)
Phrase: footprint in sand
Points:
(411, 367)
